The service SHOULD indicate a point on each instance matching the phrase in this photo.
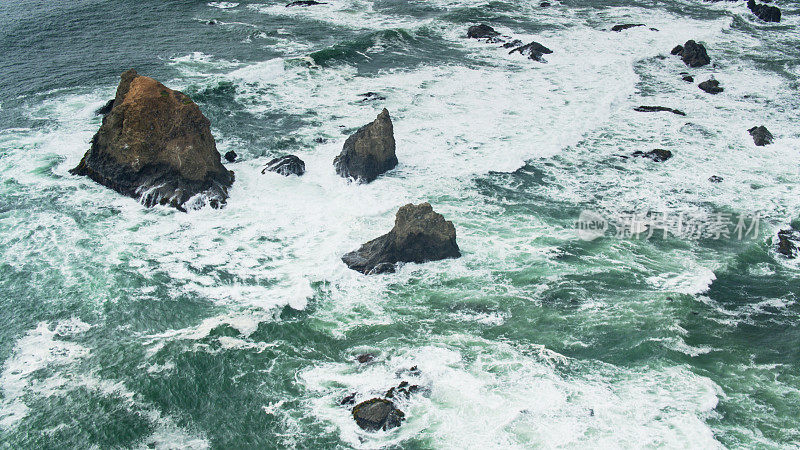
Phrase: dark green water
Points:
(238, 328)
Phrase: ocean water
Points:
(127, 327)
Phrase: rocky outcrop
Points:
(761, 135)
(659, 109)
(156, 146)
(482, 31)
(534, 51)
(715, 179)
(286, 165)
(378, 414)
(692, 54)
(622, 27)
(657, 155)
(305, 3)
(231, 156)
(402, 391)
(420, 234)
(766, 13)
(711, 86)
(369, 152)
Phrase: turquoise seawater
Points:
(127, 327)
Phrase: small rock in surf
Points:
(377, 414)
(761, 136)
(711, 86)
(657, 155)
(286, 165)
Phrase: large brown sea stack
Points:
(156, 146)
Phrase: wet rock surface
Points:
(657, 155)
(105, 109)
(659, 109)
(378, 414)
(767, 13)
(761, 136)
(788, 243)
(625, 26)
(692, 54)
(534, 51)
(156, 146)
(305, 3)
(711, 86)
(286, 165)
(371, 96)
(482, 31)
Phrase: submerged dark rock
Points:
(766, 13)
(711, 86)
(534, 51)
(659, 109)
(715, 179)
(365, 358)
(305, 3)
(692, 54)
(369, 152)
(657, 155)
(403, 390)
(512, 44)
(156, 146)
(349, 399)
(286, 165)
(622, 27)
(761, 136)
(787, 243)
(231, 156)
(377, 414)
(419, 235)
(105, 109)
(482, 31)
(370, 96)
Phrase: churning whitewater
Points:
(216, 311)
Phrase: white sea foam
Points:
(353, 14)
(501, 396)
(694, 281)
(223, 5)
(37, 350)
(279, 236)
(45, 348)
